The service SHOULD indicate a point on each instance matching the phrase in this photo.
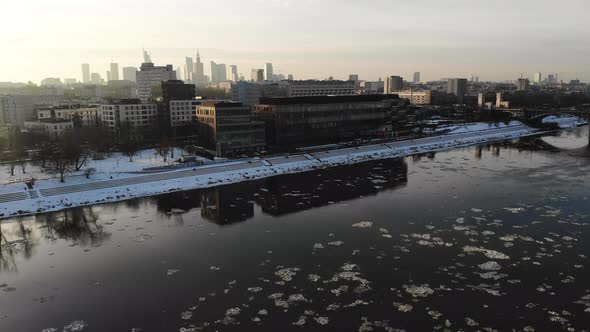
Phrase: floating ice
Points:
(403, 307)
(515, 210)
(233, 311)
(254, 289)
(301, 321)
(172, 272)
(75, 326)
(490, 266)
(287, 273)
(318, 246)
(419, 291)
(363, 224)
(186, 315)
(322, 320)
(336, 243)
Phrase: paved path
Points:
(244, 164)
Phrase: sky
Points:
(495, 40)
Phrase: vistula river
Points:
(492, 237)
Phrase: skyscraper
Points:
(146, 57)
(458, 87)
(538, 78)
(188, 75)
(522, 84)
(129, 73)
(393, 83)
(114, 71)
(269, 72)
(257, 75)
(218, 72)
(233, 73)
(417, 77)
(85, 73)
(353, 77)
(198, 78)
(109, 76)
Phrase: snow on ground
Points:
(473, 127)
(565, 121)
(245, 170)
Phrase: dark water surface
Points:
(488, 237)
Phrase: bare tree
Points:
(73, 149)
(59, 163)
(128, 145)
(164, 148)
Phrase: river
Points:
(485, 237)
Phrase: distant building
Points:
(372, 87)
(51, 81)
(130, 74)
(199, 78)
(183, 112)
(481, 100)
(320, 88)
(552, 79)
(176, 96)
(269, 72)
(189, 68)
(416, 77)
(118, 90)
(423, 97)
(218, 72)
(109, 77)
(70, 81)
(114, 71)
(257, 75)
(131, 117)
(96, 79)
(302, 121)
(538, 78)
(393, 83)
(85, 73)
(290, 77)
(458, 87)
(500, 102)
(16, 109)
(233, 73)
(353, 77)
(249, 93)
(149, 75)
(228, 129)
(522, 84)
(84, 116)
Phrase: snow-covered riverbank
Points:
(63, 196)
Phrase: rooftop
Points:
(326, 99)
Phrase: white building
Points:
(53, 128)
(137, 118)
(320, 88)
(269, 72)
(148, 75)
(16, 109)
(182, 112)
(257, 75)
(87, 115)
(416, 97)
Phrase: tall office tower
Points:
(114, 71)
(149, 75)
(233, 73)
(417, 77)
(538, 78)
(353, 77)
(458, 87)
(218, 72)
(199, 78)
(290, 77)
(522, 84)
(95, 78)
(189, 68)
(85, 73)
(129, 73)
(109, 76)
(257, 75)
(393, 83)
(269, 72)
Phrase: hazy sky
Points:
(495, 40)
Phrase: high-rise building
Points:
(552, 79)
(146, 57)
(85, 73)
(129, 73)
(109, 77)
(269, 72)
(392, 84)
(290, 77)
(417, 77)
(218, 72)
(189, 69)
(149, 75)
(257, 75)
(538, 78)
(522, 84)
(114, 71)
(16, 109)
(199, 78)
(233, 73)
(458, 87)
(353, 77)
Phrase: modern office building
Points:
(353, 77)
(300, 121)
(538, 78)
(177, 98)
(416, 77)
(269, 72)
(189, 68)
(228, 129)
(233, 73)
(85, 73)
(130, 74)
(114, 72)
(458, 87)
(257, 75)
(149, 75)
(183, 112)
(218, 72)
(393, 83)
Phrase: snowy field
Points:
(565, 121)
(52, 196)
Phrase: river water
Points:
(486, 237)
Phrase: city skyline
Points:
(457, 38)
